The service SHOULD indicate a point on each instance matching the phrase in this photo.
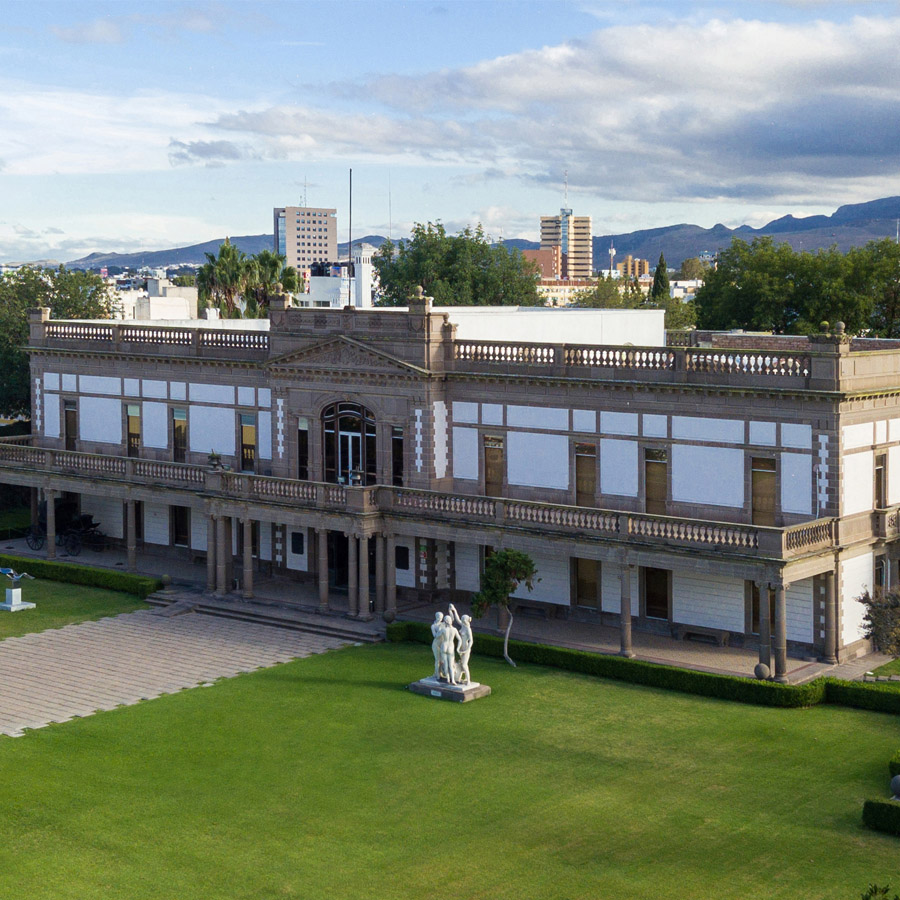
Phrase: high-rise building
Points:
(630, 267)
(573, 235)
(305, 235)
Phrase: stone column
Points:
(130, 538)
(248, 559)
(625, 612)
(379, 574)
(50, 498)
(390, 587)
(830, 654)
(322, 563)
(352, 574)
(211, 553)
(221, 561)
(780, 642)
(364, 600)
(765, 631)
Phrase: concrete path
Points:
(57, 675)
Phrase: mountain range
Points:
(849, 226)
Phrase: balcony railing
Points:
(114, 335)
(438, 507)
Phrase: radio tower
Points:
(612, 258)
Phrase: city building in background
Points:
(305, 235)
(633, 268)
(572, 234)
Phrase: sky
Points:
(128, 126)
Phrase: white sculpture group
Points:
(452, 636)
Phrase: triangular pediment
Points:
(343, 353)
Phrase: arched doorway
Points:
(350, 454)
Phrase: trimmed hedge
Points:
(140, 585)
(882, 815)
(725, 687)
(863, 695)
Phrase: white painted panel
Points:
(264, 435)
(107, 511)
(858, 482)
(584, 420)
(611, 589)
(856, 579)
(553, 587)
(538, 460)
(156, 523)
(51, 415)
(101, 384)
(853, 436)
(695, 428)
(132, 387)
(177, 390)
(656, 426)
(708, 475)
(465, 453)
(246, 396)
(70, 382)
(799, 611)
(212, 428)
(100, 419)
(212, 393)
(550, 418)
(297, 561)
(799, 436)
(467, 558)
(714, 601)
(618, 423)
(155, 425)
(893, 473)
(407, 577)
(492, 413)
(881, 431)
(198, 530)
(440, 438)
(894, 430)
(155, 390)
(465, 412)
(619, 467)
(796, 483)
(762, 434)
(51, 381)
(264, 397)
(265, 540)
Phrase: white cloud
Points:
(100, 31)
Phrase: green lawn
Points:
(61, 604)
(891, 668)
(323, 778)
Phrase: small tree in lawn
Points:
(881, 622)
(504, 571)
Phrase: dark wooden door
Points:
(762, 478)
(585, 475)
(493, 466)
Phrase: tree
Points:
(691, 269)
(606, 295)
(222, 279)
(660, 292)
(881, 622)
(457, 270)
(266, 270)
(70, 293)
(504, 571)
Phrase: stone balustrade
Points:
(438, 506)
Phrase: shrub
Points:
(72, 573)
(725, 687)
(894, 764)
(882, 815)
(863, 695)
(881, 622)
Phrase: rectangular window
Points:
(248, 442)
(656, 481)
(880, 582)
(585, 474)
(70, 424)
(298, 543)
(762, 486)
(656, 593)
(397, 456)
(179, 435)
(401, 557)
(303, 450)
(133, 414)
(587, 582)
(181, 526)
(880, 481)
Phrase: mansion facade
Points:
(745, 493)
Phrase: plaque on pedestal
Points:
(14, 601)
(442, 690)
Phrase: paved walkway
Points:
(57, 675)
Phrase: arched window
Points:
(350, 456)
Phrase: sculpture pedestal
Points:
(14, 601)
(440, 690)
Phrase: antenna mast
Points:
(350, 244)
(566, 189)
(304, 191)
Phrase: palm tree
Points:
(267, 270)
(223, 278)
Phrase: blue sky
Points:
(128, 126)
